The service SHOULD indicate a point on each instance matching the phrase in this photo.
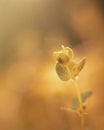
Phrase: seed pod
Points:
(64, 55)
(63, 58)
(63, 72)
(69, 52)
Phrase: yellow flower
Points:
(66, 68)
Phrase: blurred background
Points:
(31, 93)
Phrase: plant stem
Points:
(81, 110)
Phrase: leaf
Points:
(81, 64)
(76, 69)
(63, 72)
(84, 96)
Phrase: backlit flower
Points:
(66, 68)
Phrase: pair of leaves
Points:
(71, 70)
(84, 96)
(75, 103)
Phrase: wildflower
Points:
(66, 68)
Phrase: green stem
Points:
(82, 115)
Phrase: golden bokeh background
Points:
(31, 93)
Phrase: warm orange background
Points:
(31, 93)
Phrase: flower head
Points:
(64, 55)
(66, 68)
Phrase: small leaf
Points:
(75, 102)
(86, 95)
(76, 69)
(81, 64)
(63, 72)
